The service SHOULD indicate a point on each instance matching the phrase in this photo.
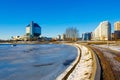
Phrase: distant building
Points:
(117, 35)
(45, 38)
(33, 30)
(112, 36)
(20, 38)
(102, 32)
(86, 36)
(58, 37)
(16, 38)
(63, 37)
(117, 30)
(117, 26)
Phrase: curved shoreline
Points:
(84, 67)
(66, 73)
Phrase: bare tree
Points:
(72, 34)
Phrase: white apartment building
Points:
(102, 32)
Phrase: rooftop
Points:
(34, 24)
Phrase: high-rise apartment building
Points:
(117, 30)
(117, 26)
(102, 32)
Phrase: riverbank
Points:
(83, 68)
(25, 42)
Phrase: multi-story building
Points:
(112, 36)
(33, 30)
(16, 37)
(117, 35)
(86, 36)
(117, 30)
(117, 26)
(58, 37)
(63, 37)
(102, 32)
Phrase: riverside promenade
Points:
(85, 67)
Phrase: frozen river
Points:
(34, 62)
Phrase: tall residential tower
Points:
(102, 32)
(117, 26)
(117, 30)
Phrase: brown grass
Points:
(117, 58)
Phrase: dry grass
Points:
(117, 58)
(97, 42)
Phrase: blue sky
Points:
(54, 16)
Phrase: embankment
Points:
(83, 68)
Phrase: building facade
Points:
(58, 37)
(117, 26)
(33, 30)
(112, 36)
(86, 36)
(117, 30)
(63, 37)
(102, 32)
(117, 35)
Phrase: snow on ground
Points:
(112, 47)
(110, 56)
(83, 70)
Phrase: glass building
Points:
(33, 30)
(86, 36)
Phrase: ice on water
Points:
(34, 62)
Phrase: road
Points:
(110, 57)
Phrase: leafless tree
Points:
(72, 34)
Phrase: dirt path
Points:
(112, 57)
(107, 73)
